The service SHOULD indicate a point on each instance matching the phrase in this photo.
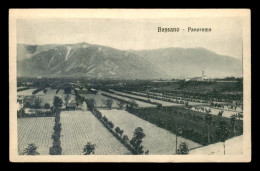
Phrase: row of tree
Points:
(135, 142)
(56, 148)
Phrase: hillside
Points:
(95, 61)
(187, 63)
(86, 60)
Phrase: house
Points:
(71, 105)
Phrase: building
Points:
(19, 103)
(202, 78)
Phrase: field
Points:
(160, 96)
(48, 97)
(164, 103)
(26, 92)
(98, 99)
(192, 122)
(140, 103)
(214, 111)
(81, 127)
(157, 140)
(35, 130)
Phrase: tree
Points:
(91, 103)
(67, 90)
(120, 104)
(222, 132)
(37, 102)
(45, 91)
(21, 113)
(117, 129)
(125, 138)
(67, 97)
(108, 102)
(137, 140)
(121, 132)
(104, 118)
(89, 149)
(220, 113)
(57, 102)
(79, 100)
(208, 119)
(31, 150)
(110, 124)
(233, 123)
(47, 106)
(133, 104)
(183, 148)
(159, 106)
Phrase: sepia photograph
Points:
(130, 85)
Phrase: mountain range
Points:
(96, 61)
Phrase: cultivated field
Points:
(99, 100)
(26, 92)
(161, 96)
(214, 111)
(157, 140)
(140, 103)
(164, 103)
(81, 127)
(36, 130)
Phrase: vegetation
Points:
(195, 126)
(22, 89)
(21, 113)
(137, 140)
(108, 102)
(222, 132)
(120, 104)
(57, 103)
(56, 148)
(183, 148)
(91, 104)
(38, 90)
(89, 149)
(31, 150)
(32, 102)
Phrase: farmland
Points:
(37, 131)
(99, 100)
(157, 140)
(26, 92)
(140, 103)
(192, 123)
(159, 113)
(226, 113)
(164, 103)
(80, 127)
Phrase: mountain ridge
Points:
(97, 61)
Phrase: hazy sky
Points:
(225, 37)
